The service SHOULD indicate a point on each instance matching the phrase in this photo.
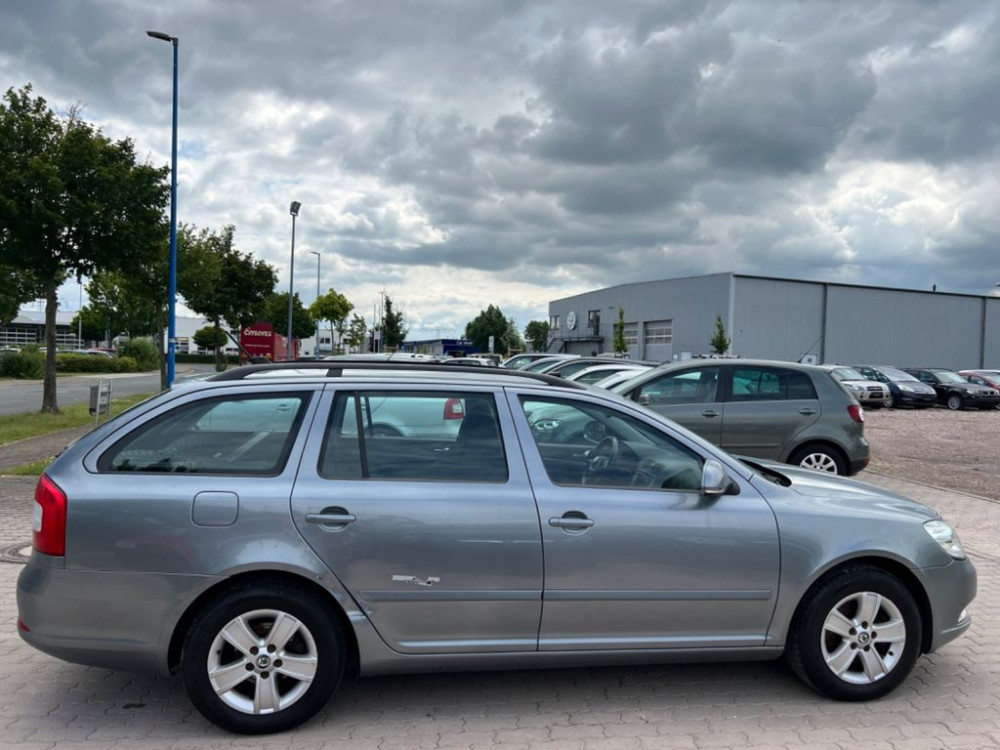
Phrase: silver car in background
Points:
(869, 393)
(255, 535)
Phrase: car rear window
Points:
(223, 435)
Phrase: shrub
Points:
(143, 351)
(27, 365)
(90, 363)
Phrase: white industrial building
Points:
(783, 319)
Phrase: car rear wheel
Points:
(857, 635)
(955, 402)
(819, 458)
(263, 658)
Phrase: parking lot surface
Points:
(952, 699)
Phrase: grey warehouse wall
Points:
(777, 319)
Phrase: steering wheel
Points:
(603, 455)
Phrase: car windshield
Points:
(847, 373)
(893, 374)
(946, 376)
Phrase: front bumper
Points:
(915, 399)
(950, 589)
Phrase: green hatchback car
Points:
(783, 411)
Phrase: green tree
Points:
(71, 201)
(210, 338)
(357, 332)
(334, 307)
(393, 330)
(491, 322)
(220, 283)
(620, 346)
(276, 313)
(720, 344)
(17, 286)
(537, 334)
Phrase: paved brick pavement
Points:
(952, 699)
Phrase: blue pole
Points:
(172, 279)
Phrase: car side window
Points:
(227, 435)
(688, 387)
(584, 444)
(415, 436)
(770, 384)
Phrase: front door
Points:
(418, 501)
(635, 556)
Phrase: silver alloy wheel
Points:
(262, 661)
(819, 461)
(863, 638)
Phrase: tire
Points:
(819, 458)
(310, 634)
(856, 635)
(955, 402)
(384, 430)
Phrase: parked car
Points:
(869, 393)
(568, 367)
(990, 378)
(271, 543)
(524, 358)
(543, 364)
(778, 410)
(471, 361)
(906, 390)
(954, 391)
(594, 373)
(618, 378)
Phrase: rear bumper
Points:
(102, 619)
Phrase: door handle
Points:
(331, 519)
(807, 411)
(710, 413)
(571, 523)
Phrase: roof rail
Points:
(336, 368)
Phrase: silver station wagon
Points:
(254, 532)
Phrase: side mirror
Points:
(644, 399)
(714, 479)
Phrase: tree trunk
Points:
(49, 403)
(160, 333)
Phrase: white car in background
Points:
(595, 373)
(870, 393)
(618, 378)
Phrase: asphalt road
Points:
(24, 396)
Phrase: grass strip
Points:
(14, 427)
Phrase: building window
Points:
(554, 322)
(631, 334)
(659, 332)
(594, 322)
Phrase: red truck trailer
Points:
(261, 340)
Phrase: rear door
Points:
(766, 408)
(434, 532)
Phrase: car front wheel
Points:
(857, 635)
(955, 402)
(263, 658)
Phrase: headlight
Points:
(906, 388)
(946, 537)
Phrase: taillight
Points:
(857, 413)
(454, 408)
(49, 518)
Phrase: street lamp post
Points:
(294, 211)
(313, 252)
(172, 274)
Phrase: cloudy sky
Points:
(457, 153)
